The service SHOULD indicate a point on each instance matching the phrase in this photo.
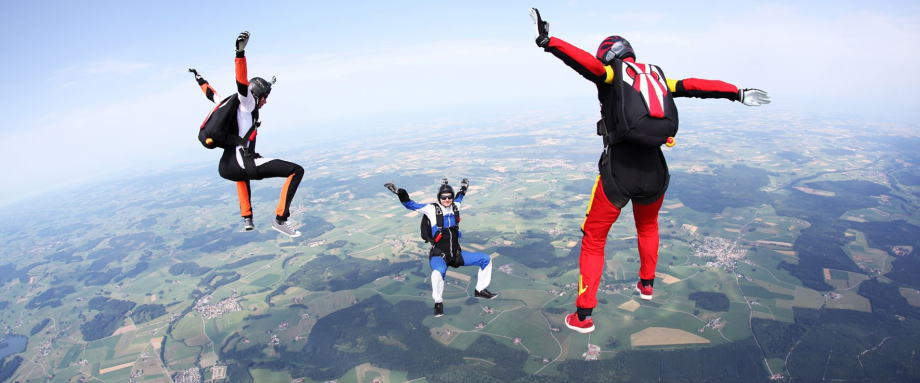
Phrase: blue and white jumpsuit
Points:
(449, 242)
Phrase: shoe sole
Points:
(438, 315)
(643, 296)
(579, 329)
(493, 297)
(289, 235)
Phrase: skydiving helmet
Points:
(261, 87)
(614, 47)
(445, 189)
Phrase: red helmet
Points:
(614, 47)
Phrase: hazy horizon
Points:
(101, 89)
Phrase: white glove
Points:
(753, 97)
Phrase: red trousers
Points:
(600, 216)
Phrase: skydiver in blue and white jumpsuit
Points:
(445, 242)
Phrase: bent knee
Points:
(439, 270)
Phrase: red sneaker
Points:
(582, 326)
(645, 292)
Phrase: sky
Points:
(99, 89)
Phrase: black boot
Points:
(485, 293)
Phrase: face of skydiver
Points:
(446, 199)
(262, 101)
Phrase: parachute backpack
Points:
(439, 220)
(642, 109)
(219, 128)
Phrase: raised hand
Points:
(391, 187)
(465, 183)
(195, 72)
(542, 38)
(242, 40)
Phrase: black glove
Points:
(241, 41)
(391, 187)
(197, 76)
(465, 183)
(401, 193)
(542, 39)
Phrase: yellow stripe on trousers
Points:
(590, 202)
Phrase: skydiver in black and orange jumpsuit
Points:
(242, 163)
(632, 168)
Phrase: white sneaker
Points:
(285, 228)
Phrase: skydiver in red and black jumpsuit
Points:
(632, 169)
(241, 163)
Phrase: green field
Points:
(528, 198)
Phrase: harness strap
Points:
(439, 222)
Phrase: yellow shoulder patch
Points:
(672, 85)
(609, 70)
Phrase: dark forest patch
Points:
(110, 317)
(736, 186)
(146, 313)
(386, 335)
(51, 297)
(710, 301)
(328, 272)
(188, 268)
(245, 261)
(821, 244)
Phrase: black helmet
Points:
(614, 47)
(445, 189)
(260, 87)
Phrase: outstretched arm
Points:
(582, 62)
(404, 197)
(699, 88)
(209, 92)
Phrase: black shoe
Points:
(485, 293)
(247, 224)
(438, 309)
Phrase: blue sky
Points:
(97, 89)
